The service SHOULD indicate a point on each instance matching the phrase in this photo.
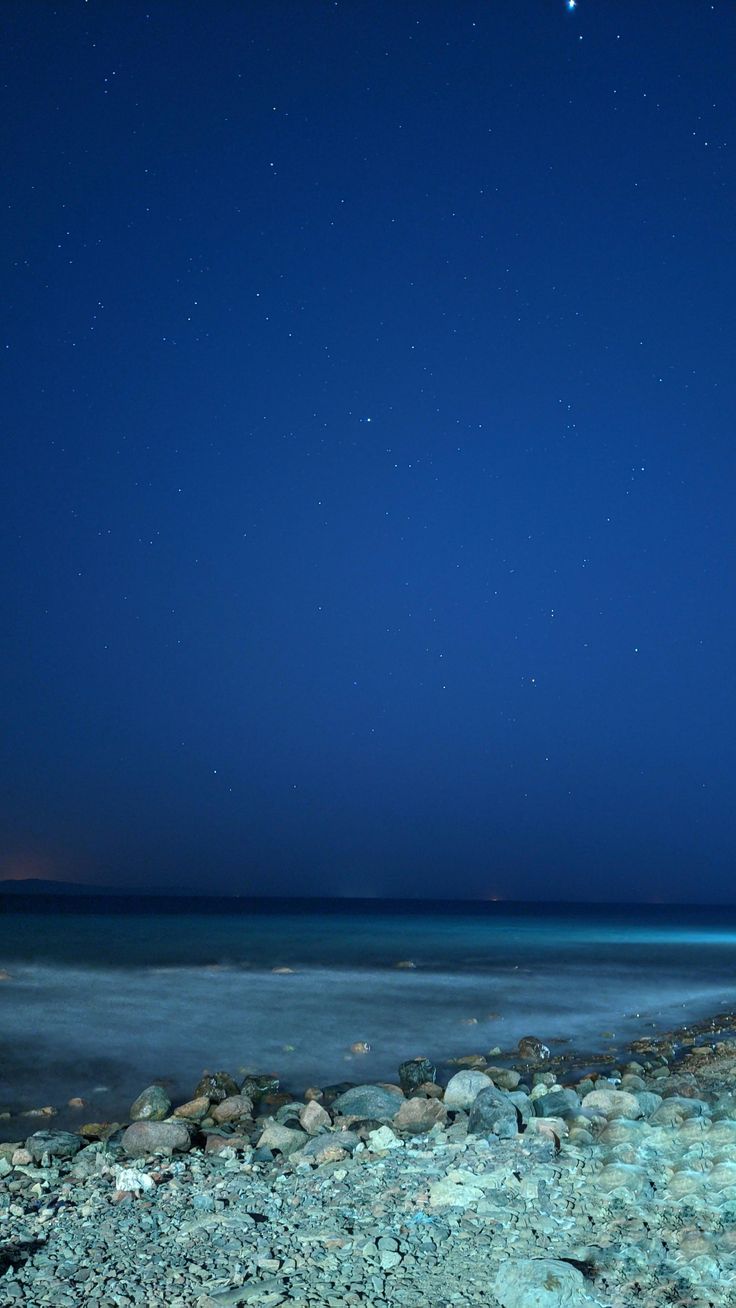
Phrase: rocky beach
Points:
(515, 1180)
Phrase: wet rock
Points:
(215, 1086)
(57, 1144)
(152, 1105)
(414, 1072)
(493, 1113)
(142, 1138)
(678, 1109)
(416, 1116)
(532, 1048)
(255, 1087)
(463, 1088)
(233, 1109)
(369, 1101)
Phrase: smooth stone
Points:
(610, 1102)
(57, 1144)
(194, 1109)
(678, 1109)
(369, 1101)
(493, 1113)
(626, 1176)
(142, 1138)
(233, 1109)
(463, 1088)
(506, 1078)
(152, 1105)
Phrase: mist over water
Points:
(116, 999)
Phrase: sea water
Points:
(106, 995)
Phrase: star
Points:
(572, 4)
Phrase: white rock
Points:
(464, 1087)
(384, 1138)
(540, 1283)
(133, 1180)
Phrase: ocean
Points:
(105, 995)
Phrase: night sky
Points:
(368, 476)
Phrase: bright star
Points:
(572, 4)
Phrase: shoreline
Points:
(456, 1186)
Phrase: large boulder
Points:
(493, 1113)
(152, 1105)
(463, 1088)
(557, 1103)
(143, 1138)
(56, 1144)
(540, 1283)
(369, 1101)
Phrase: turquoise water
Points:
(105, 996)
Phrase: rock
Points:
(255, 1087)
(21, 1158)
(57, 1144)
(613, 1103)
(283, 1138)
(506, 1078)
(383, 1138)
(414, 1072)
(194, 1109)
(313, 1092)
(233, 1109)
(133, 1181)
(360, 1047)
(648, 1101)
(539, 1283)
(416, 1116)
(144, 1138)
(76, 1102)
(493, 1113)
(314, 1118)
(406, 964)
(457, 1188)
(531, 1047)
(152, 1105)
(622, 1176)
(678, 1109)
(463, 1088)
(557, 1103)
(216, 1086)
(214, 1144)
(330, 1148)
(369, 1101)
